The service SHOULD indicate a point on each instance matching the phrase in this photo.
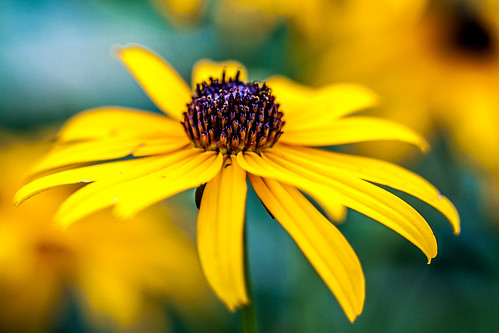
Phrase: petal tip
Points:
(118, 50)
(424, 146)
(17, 200)
(62, 222)
(21, 197)
(352, 318)
(431, 256)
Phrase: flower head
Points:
(225, 131)
(231, 116)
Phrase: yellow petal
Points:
(354, 193)
(373, 170)
(304, 107)
(159, 80)
(189, 173)
(106, 192)
(333, 208)
(102, 150)
(372, 201)
(324, 246)
(88, 152)
(160, 146)
(109, 121)
(291, 95)
(204, 69)
(87, 174)
(353, 130)
(220, 234)
(330, 200)
(330, 103)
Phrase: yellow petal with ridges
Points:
(160, 147)
(359, 195)
(111, 121)
(329, 200)
(304, 107)
(204, 69)
(353, 130)
(88, 174)
(372, 170)
(220, 233)
(324, 246)
(160, 81)
(333, 208)
(370, 200)
(88, 151)
(106, 192)
(102, 150)
(330, 103)
(143, 192)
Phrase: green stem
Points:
(248, 313)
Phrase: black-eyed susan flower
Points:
(115, 274)
(224, 131)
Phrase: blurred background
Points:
(435, 65)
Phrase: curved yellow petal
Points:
(372, 201)
(105, 149)
(354, 193)
(106, 192)
(143, 192)
(353, 130)
(204, 69)
(372, 170)
(292, 96)
(324, 246)
(154, 147)
(88, 174)
(330, 103)
(88, 151)
(334, 209)
(110, 121)
(304, 107)
(159, 80)
(220, 233)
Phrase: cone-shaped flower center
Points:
(232, 116)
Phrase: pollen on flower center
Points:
(232, 116)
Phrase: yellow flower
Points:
(225, 131)
(436, 72)
(112, 269)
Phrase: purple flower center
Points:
(232, 116)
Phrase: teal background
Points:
(56, 60)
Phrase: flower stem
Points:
(248, 313)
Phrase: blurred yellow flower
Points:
(438, 73)
(435, 64)
(224, 131)
(118, 270)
